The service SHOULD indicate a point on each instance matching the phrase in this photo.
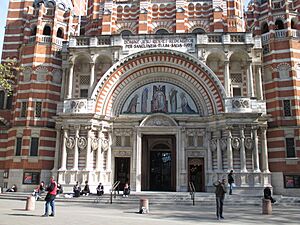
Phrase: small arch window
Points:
(264, 28)
(60, 33)
(47, 30)
(126, 33)
(198, 31)
(33, 31)
(161, 31)
(279, 25)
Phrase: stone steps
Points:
(168, 198)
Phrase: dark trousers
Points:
(220, 202)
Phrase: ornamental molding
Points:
(240, 103)
(82, 142)
(122, 132)
(122, 153)
(158, 120)
(94, 143)
(223, 143)
(213, 144)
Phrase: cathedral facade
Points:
(160, 94)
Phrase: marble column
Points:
(70, 83)
(108, 163)
(229, 150)
(64, 152)
(243, 152)
(209, 153)
(57, 148)
(250, 80)
(264, 150)
(255, 151)
(138, 187)
(260, 95)
(92, 78)
(88, 150)
(227, 79)
(76, 150)
(99, 156)
(219, 152)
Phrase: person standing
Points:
(50, 198)
(230, 181)
(220, 195)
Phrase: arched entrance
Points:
(158, 163)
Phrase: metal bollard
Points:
(266, 206)
(0, 190)
(30, 203)
(144, 205)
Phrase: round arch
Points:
(159, 66)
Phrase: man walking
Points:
(50, 198)
(230, 181)
(220, 194)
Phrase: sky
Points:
(3, 14)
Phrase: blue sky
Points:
(3, 14)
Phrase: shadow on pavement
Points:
(19, 214)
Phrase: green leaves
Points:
(8, 71)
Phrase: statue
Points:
(159, 102)
(185, 107)
(173, 100)
(144, 101)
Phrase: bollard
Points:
(144, 205)
(0, 190)
(30, 203)
(266, 206)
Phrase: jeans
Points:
(230, 188)
(219, 201)
(52, 204)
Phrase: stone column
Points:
(92, 78)
(250, 80)
(88, 150)
(229, 150)
(138, 162)
(99, 157)
(219, 152)
(57, 148)
(259, 84)
(264, 150)
(182, 137)
(108, 163)
(64, 152)
(227, 79)
(255, 150)
(209, 154)
(243, 152)
(70, 83)
(76, 151)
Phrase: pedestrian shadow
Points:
(23, 210)
(25, 215)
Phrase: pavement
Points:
(12, 212)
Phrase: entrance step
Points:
(168, 198)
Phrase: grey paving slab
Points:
(12, 212)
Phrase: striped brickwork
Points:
(278, 24)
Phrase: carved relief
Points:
(94, 143)
(82, 142)
(223, 143)
(236, 143)
(213, 144)
(240, 103)
(105, 144)
(249, 143)
(70, 142)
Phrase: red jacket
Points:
(52, 188)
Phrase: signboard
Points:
(183, 43)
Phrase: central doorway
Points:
(159, 163)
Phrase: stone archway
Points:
(159, 66)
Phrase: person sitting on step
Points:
(126, 191)
(100, 189)
(76, 189)
(86, 189)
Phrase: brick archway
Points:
(159, 65)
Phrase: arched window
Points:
(198, 31)
(264, 28)
(293, 24)
(33, 31)
(47, 30)
(60, 33)
(126, 33)
(2, 96)
(279, 25)
(161, 31)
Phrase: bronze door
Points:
(158, 163)
(196, 173)
(122, 171)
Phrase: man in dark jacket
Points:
(230, 181)
(50, 198)
(220, 195)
